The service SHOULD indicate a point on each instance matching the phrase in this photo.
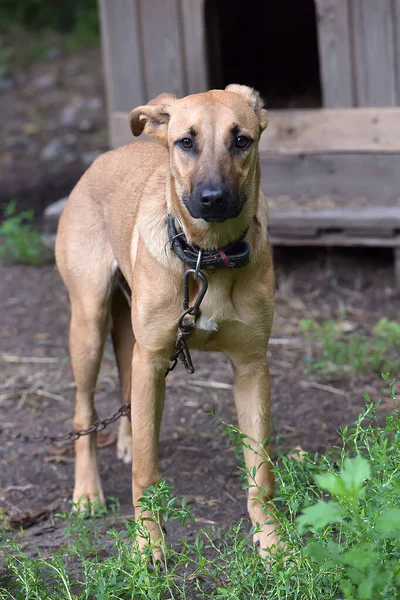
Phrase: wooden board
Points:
(335, 52)
(332, 130)
(374, 52)
(335, 239)
(122, 59)
(122, 55)
(194, 37)
(324, 131)
(376, 176)
(161, 31)
(371, 221)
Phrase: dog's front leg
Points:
(252, 399)
(148, 393)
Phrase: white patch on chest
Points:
(206, 324)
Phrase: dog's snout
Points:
(212, 197)
(213, 201)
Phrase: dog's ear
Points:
(153, 117)
(253, 99)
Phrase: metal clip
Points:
(203, 289)
(198, 264)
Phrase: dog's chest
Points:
(216, 311)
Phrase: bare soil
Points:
(53, 126)
(37, 392)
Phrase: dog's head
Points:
(212, 140)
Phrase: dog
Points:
(201, 177)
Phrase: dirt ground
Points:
(37, 391)
(53, 126)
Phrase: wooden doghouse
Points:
(330, 72)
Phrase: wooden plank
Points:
(335, 239)
(193, 17)
(322, 131)
(335, 52)
(122, 58)
(374, 54)
(332, 130)
(369, 220)
(375, 176)
(161, 28)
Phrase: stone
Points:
(72, 68)
(70, 139)
(51, 217)
(71, 112)
(6, 84)
(85, 125)
(69, 115)
(53, 149)
(44, 81)
(53, 53)
(94, 104)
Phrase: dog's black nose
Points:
(212, 198)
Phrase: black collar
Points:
(234, 256)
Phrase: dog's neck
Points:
(210, 236)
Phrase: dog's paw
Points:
(88, 499)
(155, 538)
(267, 539)
(124, 442)
(124, 448)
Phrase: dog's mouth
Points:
(216, 219)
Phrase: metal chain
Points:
(186, 326)
(181, 352)
(123, 411)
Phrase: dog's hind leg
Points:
(123, 341)
(88, 331)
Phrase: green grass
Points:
(339, 515)
(19, 240)
(332, 350)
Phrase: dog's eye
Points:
(186, 143)
(242, 142)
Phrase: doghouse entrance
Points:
(270, 45)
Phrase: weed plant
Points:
(339, 516)
(19, 240)
(332, 350)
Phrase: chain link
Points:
(181, 352)
(123, 411)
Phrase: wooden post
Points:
(122, 58)
(161, 30)
(396, 256)
(335, 52)
(194, 33)
(374, 52)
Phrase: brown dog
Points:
(205, 174)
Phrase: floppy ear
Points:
(253, 99)
(153, 117)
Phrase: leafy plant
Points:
(363, 519)
(339, 515)
(19, 241)
(341, 351)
